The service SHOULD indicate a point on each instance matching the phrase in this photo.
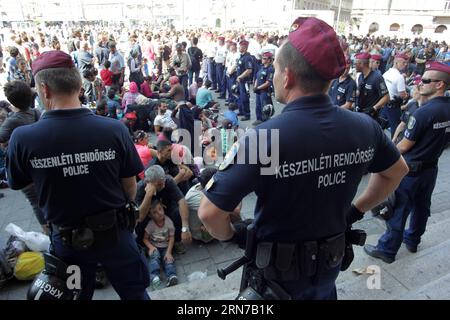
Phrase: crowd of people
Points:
(158, 81)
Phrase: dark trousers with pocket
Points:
(123, 262)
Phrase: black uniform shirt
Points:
(321, 162)
(429, 127)
(371, 90)
(76, 161)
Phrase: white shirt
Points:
(394, 82)
(211, 50)
(254, 48)
(165, 120)
(221, 54)
(232, 59)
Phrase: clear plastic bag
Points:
(35, 241)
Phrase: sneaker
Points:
(179, 248)
(156, 282)
(173, 280)
(245, 118)
(257, 123)
(4, 184)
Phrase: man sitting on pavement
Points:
(157, 184)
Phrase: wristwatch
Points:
(185, 229)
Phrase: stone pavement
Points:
(199, 257)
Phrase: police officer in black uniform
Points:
(305, 197)
(372, 93)
(245, 67)
(83, 168)
(426, 135)
(263, 86)
(343, 90)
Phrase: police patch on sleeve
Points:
(229, 157)
(210, 184)
(294, 27)
(411, 123)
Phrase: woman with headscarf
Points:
(130, 96)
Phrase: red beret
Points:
(362, 56)
(437, 66)
(403, 56)
(267, 54)
(318, 43)
(221, 38)
(52, 60)
(243, 43)
(376, 57)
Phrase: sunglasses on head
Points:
(428, 81)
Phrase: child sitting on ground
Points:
(159, 238)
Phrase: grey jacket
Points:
(15, 120)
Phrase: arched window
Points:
(374, 27)
(418, 28)
(394, 27)
(440, 29)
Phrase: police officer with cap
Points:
(263, 86)
(343, 90)
(84, 171)
(425, 138)
(244, 77)
(305, 197)
(375, 61)
(372, 93)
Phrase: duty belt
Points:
(290, 261)
(98, 231)
(417, 167)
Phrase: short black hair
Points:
(199, 80)
(19, 94)
(102, 104)
(107, 64)
(207, 83)
(155, 202)
(13, 52)
(111, 93)
(195, 41)
(162, 144)
(88, 74)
